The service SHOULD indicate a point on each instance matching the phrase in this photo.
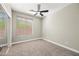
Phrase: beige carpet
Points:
(0, 48)
(37, 48)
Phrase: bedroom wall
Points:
(63, 26)
(36, 27)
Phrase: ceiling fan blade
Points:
(41, 14)
(44, 11)
(33, 11)
(38, 7)
(35, 14)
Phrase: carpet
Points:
(38, 47)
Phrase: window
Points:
(23, 26)
(2, 25)
(3, 22)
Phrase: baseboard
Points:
(25, 40)
(19, 42)
(3, 45)
(71, 49)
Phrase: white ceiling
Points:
(26, 7)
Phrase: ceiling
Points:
(26, 7)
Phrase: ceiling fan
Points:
(39, 11)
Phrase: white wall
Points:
(37, 28)
(63, 26)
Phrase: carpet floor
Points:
(0, 48)
(36, 48)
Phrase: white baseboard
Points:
(74, 50)
(3, 45)
(25, 40)
(19, 42)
